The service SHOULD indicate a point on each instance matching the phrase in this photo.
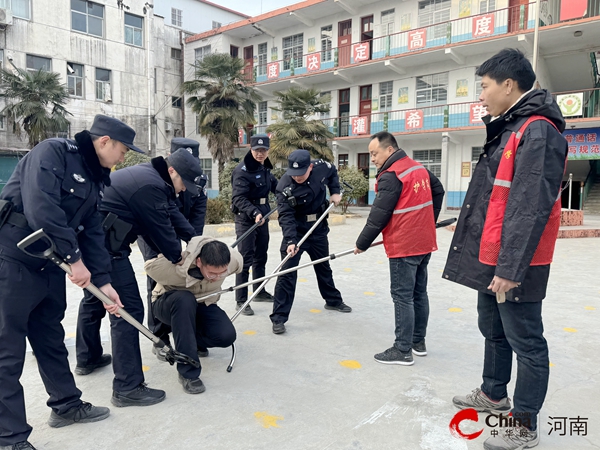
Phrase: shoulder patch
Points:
(244, 168)
(78, 178)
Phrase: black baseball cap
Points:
(117, 130)
(188, 168)
(259, 141)
(298, 163)
(190, 145)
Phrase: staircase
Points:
(592, 203)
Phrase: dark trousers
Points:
(158, 328)
(514, 327)
(32, 304)
(254, 251)
(195, 325)
(408, 286)
(127, 361)
(317, 246)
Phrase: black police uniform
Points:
(143, 196)
(57, 186)
(251, 184)
(310, 197)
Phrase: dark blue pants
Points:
(127, 361)
(32, 304)
(408, 286)
(195, 325)
(514, 327)
(317, 246)
(254, 251)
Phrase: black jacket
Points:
(310, 198)
(58, 186)
(193, 208)
(389, 188)
(250, 182)
(144, 196)
(539, 167)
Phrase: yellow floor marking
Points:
(379, 262)
(266, 420)
(369, 293)
(250, 332)
(347, 269)
(570, 330)
(70, 335)
(551, 365)
(350, 364)
(455, 309)
(302, 280)
(145, 368)
(590, 308)
(440, 270)
(316, 311)
(143, 273)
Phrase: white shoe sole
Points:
(397, 363)
(416, 353)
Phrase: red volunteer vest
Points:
(411, 230)
(492, 229)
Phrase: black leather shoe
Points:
(342, 307)
(104, 360)
(140, 396)
(263, 296)
(84, 413)
(24, 445)
(192, 386)
(278, 328)
(247, 310)
(202, 352)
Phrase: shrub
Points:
(217, 211)
(360, 186)
(133, 158)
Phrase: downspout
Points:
(150, 86)
(182, 72)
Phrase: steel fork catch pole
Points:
(252, 228)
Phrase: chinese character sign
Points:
(483, 25)
(476, 112)
(417, 39)
(272, 70)
(360, 52)
(359, 125)
(584, 143)
(313, 62)
(414, 119)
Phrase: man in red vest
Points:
(408, 202)
(504, 240)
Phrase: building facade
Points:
(409, 68)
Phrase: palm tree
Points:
(223, 101)
(34, 103)
(295, 130)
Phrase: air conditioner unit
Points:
(167, 126)
(5, 17)
(107, 96)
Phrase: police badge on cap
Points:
(259, 141)
(298, 163)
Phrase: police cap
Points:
(259, 141)
(190, 145)
(188, 168)
(298, 163)
(117, 130)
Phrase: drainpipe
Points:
(150, 86)
(536, 36)
(182, 71)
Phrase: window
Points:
(326, 43)
(478, 87)
(432, 12)
(2, 123)
(486, 6)
(430, 159)
(176, 102)
(176, 17)
(342, 161)
(325, 115)
(206, 164)
(133, 29)
(201, 52)
(35, 63)
(386, 89)
(216, 24)
(1, 58)
(103, 85)
(292, 51)
(432, 90)
(75, 79)
(87, 17)
(262, 113)
(387, 22)
(176, 53)
(65, 134)
(262, 59)
(475, 152)
(19, 8)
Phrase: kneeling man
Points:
(196, 325)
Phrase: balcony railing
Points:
(495, 23)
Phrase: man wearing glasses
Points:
(251, 183)
(196, 325)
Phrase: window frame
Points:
(386, 98)
(202, 52)
(176, 102)
(262, 59)
(216, 24)
(176, 51)
(327, 44)
(433, 165)
(343, 160)
(8, 4)
(389, 24)
(176, 17)
(262, 109)
(484, 6)
(434, 85)
(134, 28)
(436, 15)
(294, 50)
(87, 17)
(33, 69)
(475, 159)
(104, 86)
(206, 165)
(73, 76)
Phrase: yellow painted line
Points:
(71, 335)
(316, 311)
(379, 262)
(302, 280)
(350, 364)
(440, 270)
(143, 273)
(347, 269)
(145, 368)
(369, 293)
(250, 332)
(551, 365)
(570, 330)
(455, 309)
(590, 308)
(266, 420)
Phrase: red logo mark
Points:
(464, 414)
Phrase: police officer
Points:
(251, 183)
(140, 202)
(193, 207)
(57, 186)
(301, 201)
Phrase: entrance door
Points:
(517, 15)
(344, 110)
(365, 106)
(248, 62)
(366, 32)
(363, 165)
(344, 42)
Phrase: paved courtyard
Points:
(318, 387)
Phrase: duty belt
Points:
(259, 201)
(307, 217)
(18, 220)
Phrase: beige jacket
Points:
(170, 277)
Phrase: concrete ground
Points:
(318, 387)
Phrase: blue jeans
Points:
(408, 285)
(514, 327)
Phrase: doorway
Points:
(518, 14)
(363, 166)
(366, 32)
(365, 106)
(344, 42)
(248, 62)
(344, 110)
